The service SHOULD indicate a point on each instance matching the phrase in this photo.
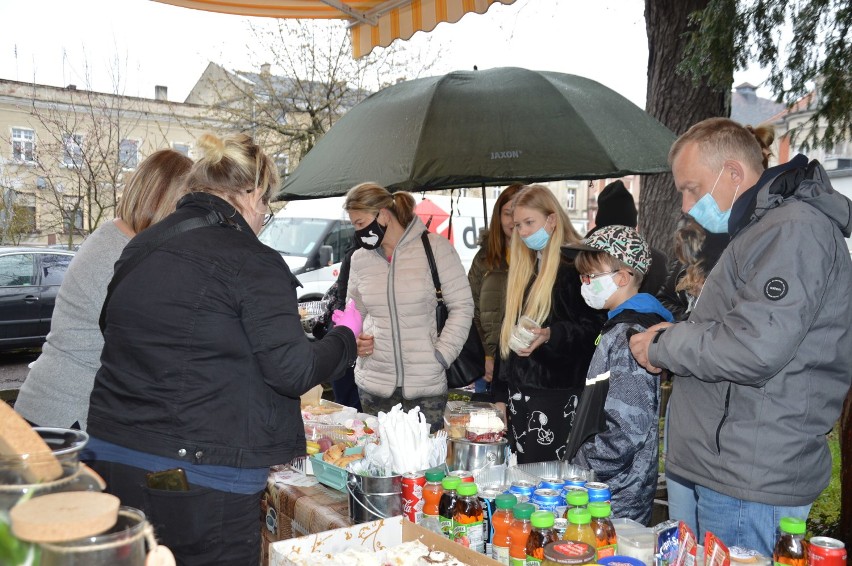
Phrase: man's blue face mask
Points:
(706, 211)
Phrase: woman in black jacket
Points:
(541, 383)
(204, 361)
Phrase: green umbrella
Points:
(492, 127)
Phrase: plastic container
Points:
(500, 523)
(519, 532)
(333, 476)
(789, 546)
(474, 421)
(541, 535)
(522, 335)
(637, 543)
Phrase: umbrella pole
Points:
(484, 206)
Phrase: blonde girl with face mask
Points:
(541, 383)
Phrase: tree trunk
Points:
(677, 102)
(845, 529)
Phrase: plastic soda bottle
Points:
(789, 546)
(606, 541)
(541, 535)
(447, 504)
(519, 532)
(579, 527)
(432, 492)
(467, 519)
(501, 520)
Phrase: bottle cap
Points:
(793, 526)
(505, 501)
(435, 475)
(523, 510)
(451, 482)
(600, 509)
(542, 519)
(577, 516)
(467, 489)
(577, 497)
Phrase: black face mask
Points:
(371, 236)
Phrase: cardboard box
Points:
(375, 535)
(289, 511)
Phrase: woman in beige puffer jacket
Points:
(401, 357)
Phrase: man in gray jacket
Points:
(765, 359)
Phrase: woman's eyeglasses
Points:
(267, 217)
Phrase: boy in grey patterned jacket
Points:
(616, 428)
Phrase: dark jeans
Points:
(345, 390)
(201, 526)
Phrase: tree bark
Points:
(678, 103)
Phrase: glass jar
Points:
(66, 446)
(122, 545)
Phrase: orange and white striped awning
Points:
(373, 23)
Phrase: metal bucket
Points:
(373, 497)
(475, 456)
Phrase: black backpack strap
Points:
(211, 219)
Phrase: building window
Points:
(23, 145)
(72, 155)
(26, 218)
(282, 162)
(128, 154)
(182, 148)
(571, 199)
(72, 219)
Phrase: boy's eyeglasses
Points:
(589, 277)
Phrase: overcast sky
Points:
(52, 41)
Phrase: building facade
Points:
(67, 154)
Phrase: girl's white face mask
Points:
(598, 291)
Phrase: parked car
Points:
(29, 281)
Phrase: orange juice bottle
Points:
(501, 520)
(579, 527)
(432, 492)
(519, 532)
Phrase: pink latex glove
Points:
(349, 317)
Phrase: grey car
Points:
(29, 281)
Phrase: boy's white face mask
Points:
(598, 291)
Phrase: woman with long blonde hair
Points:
(542, 382)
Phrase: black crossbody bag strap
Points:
(211, 219)
(434, 269)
